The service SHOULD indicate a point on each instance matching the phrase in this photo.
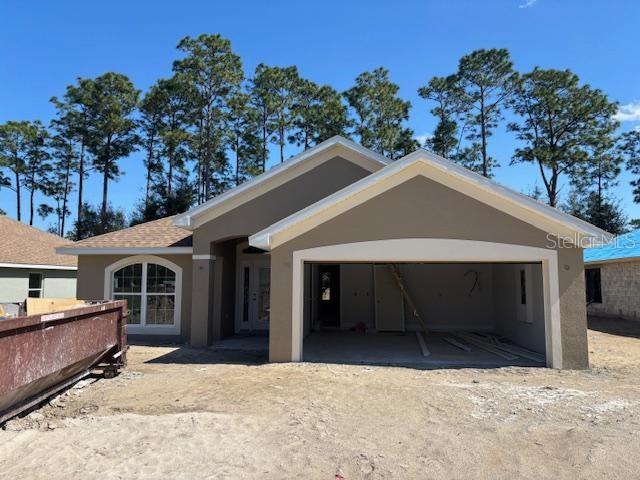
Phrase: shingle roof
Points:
(155, 234)
(622, 247)
(22, 244)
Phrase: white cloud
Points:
(423, 138)
(628, 113)
(527, 3)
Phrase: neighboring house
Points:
(307, 246)
(612, 274)
(30, 266)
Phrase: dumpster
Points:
(42, 354)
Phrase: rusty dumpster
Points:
(42, 354)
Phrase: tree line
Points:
(208, 128)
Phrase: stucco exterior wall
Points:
(214, 294)
(422, 208)
(91, 272)
(620, 284)
(259, 213)
(510, 316)
(14, 283)
(441, 292)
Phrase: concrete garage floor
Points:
(399, 349)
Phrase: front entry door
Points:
(255, 295)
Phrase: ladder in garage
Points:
(396, 274)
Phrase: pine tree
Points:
(318, 114)
(562, 124)
(111, 128)
(380, 114)
(15, 141)
(629, 148)
(445, 92)
(72, 118)
(215, 73)
(486, 81)
(244, 138)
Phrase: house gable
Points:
(280, 175)
(278, 203)
(442, 172)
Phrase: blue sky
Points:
(44, 46)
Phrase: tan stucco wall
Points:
(259, 213)
(421, 208)
(214, 281)
(14, 283)
(620, 284)
(510, 316)
(90, 286)
(440, 292)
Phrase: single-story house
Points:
(612, 277)
(309, 252)
(30, 266)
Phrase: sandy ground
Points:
(181, 413)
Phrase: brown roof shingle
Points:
(154, 234)
(22, 244)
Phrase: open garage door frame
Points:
(434, 250)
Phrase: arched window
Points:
(151, 287)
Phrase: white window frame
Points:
(142, 328)
(41, 289)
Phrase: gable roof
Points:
(623, 248)
(23, 246)
(277, 176)
(446, 172)
(157, 236)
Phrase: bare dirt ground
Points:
(179, 413)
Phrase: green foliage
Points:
(563, 125)
(15, 140)
(72, 125)
(206, 122)
(95, 222)
(23, 152)
(602, 212)
(380, 114)
(58, 185)
(445, 92)
(486, 80)
(634, 224)
(318, 114)
(284, 82)
(629, 148)
(215, 73)
(244, 139)
(161, 203)
(112, 100)
(166, 116)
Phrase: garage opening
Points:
(430, 314)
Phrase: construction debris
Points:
(423, 345)
(456, 343)
(486, 346)
(407, 297)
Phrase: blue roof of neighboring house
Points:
(621, 247)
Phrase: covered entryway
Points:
(253, 289)
(430, 302)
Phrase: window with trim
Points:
(35, 285)
(593, 284)
(150, 292)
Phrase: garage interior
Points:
(425, 314)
